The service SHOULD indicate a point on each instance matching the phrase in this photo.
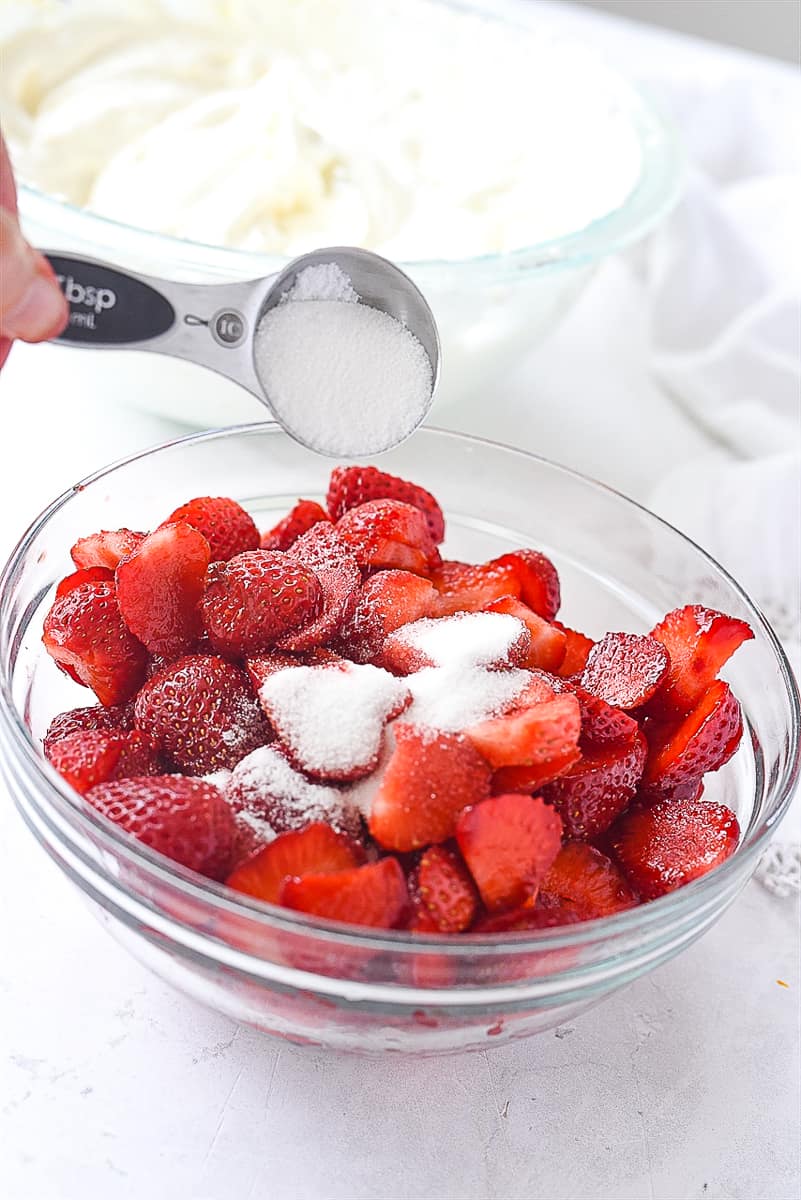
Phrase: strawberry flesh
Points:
(384, 603)
(317, 849)
(83, 575)
(373, 895)
(509, 843)
(625, 669)
(89, 757)
(699, 641)
(588, 879)
(548, 643)
(299, 520)
(159, 586)
(105, 549)
(225, 525)
(535, 735)
(682, 751)
(577, 651)
(389, 534)
(85, 634)
(446, 889)
(115, 718)
(352, 486)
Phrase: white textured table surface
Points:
(113, 1087)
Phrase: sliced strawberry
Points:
(601, 785)
(105, 549)
(159, 586)
(479, 639)
(384, 603)
(508, 843)
(261, 666)
(601, 724)
(588, 879)
(256, 598)
(446, 889)
(317, 849)
(352, 486)
(389, 533)
(322, 551)
(625, 669)
(469, 587)
(202, 712)
(116, 718)
(89, 757)
(419, 919)
(299, 520)
(268, 796)
(84, 575)
(663, 847)
(535, 735)
(373, 895)
(647, 795)
(85, 634)
(548, 643)
(185, 819)
(429, 779)
(532, 778)
(577, 650)
(531, 917)
(698, 641)
(225, 525)
(538, 581)
(681, 751)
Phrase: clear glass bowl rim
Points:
(651, 198)
(125, 848)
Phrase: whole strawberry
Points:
(202, 712)
(256, 599)
(185, 819)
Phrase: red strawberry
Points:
(159, 586)
(116, 718)
(89, 757)
(185, 819)
(202, 712)
(535, 735)
(601, 785)
(681, 751)
(508, 843)
(84, 575)
(105, 549)
(389, 533)
(352, 486)
(548, 643)
(469, 587)
(317, 849)
(538, 581)
(429, 779)
(699, 641)
(601, 724)
(255, 599)
(647, 794)
(460, 640)
(532, 779)
(625, 669)
(446, 889)
(269, 796)
(588, 879)
(303, 517)
(664, 847)
(262, 666)
(323, 551)
(373, 895)
(530, 917)
(384, 603)
(85, 634)
(225, 525)
(577, 650)
(419, 919)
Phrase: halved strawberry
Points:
(663, 847)
(429, 779)
(538, 581)
(681, 751)
(389, 533)
(352, 486)
(261, 666)
(268, 796)
(532, 779)
(699, 641)
(225, 525)
(255, 599)
(471, 587)
(384, 603)
(548, 644)
(299, 520)
(447, 890)
(601, 724)
(317, 849)
(185, 819)
(202, 712)
(323, 551)
(532, 735)
(601, 785)
(105, 549)
(508, 843)
(85, 634)
(373, 895)
(83, 575)
(159, 585)
(625, 669)
(648, 795)
(114, 718)
(588, 879)
(577, 650)
(89, 757)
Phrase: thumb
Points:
(32, 306)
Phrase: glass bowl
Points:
(491, 309)
(355, 989)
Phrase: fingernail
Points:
(41, 313)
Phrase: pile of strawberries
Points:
(263, 702)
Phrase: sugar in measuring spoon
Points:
(341, 346)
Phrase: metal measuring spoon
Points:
(214, 325)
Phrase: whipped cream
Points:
(405, 127)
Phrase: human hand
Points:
(32, 306)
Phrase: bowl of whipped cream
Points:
(209, 140)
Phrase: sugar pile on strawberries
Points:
(331, 717)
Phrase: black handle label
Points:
(108, 307)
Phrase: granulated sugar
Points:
(343, 378)
(265, 786)
(465, 639)
(453, 698)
